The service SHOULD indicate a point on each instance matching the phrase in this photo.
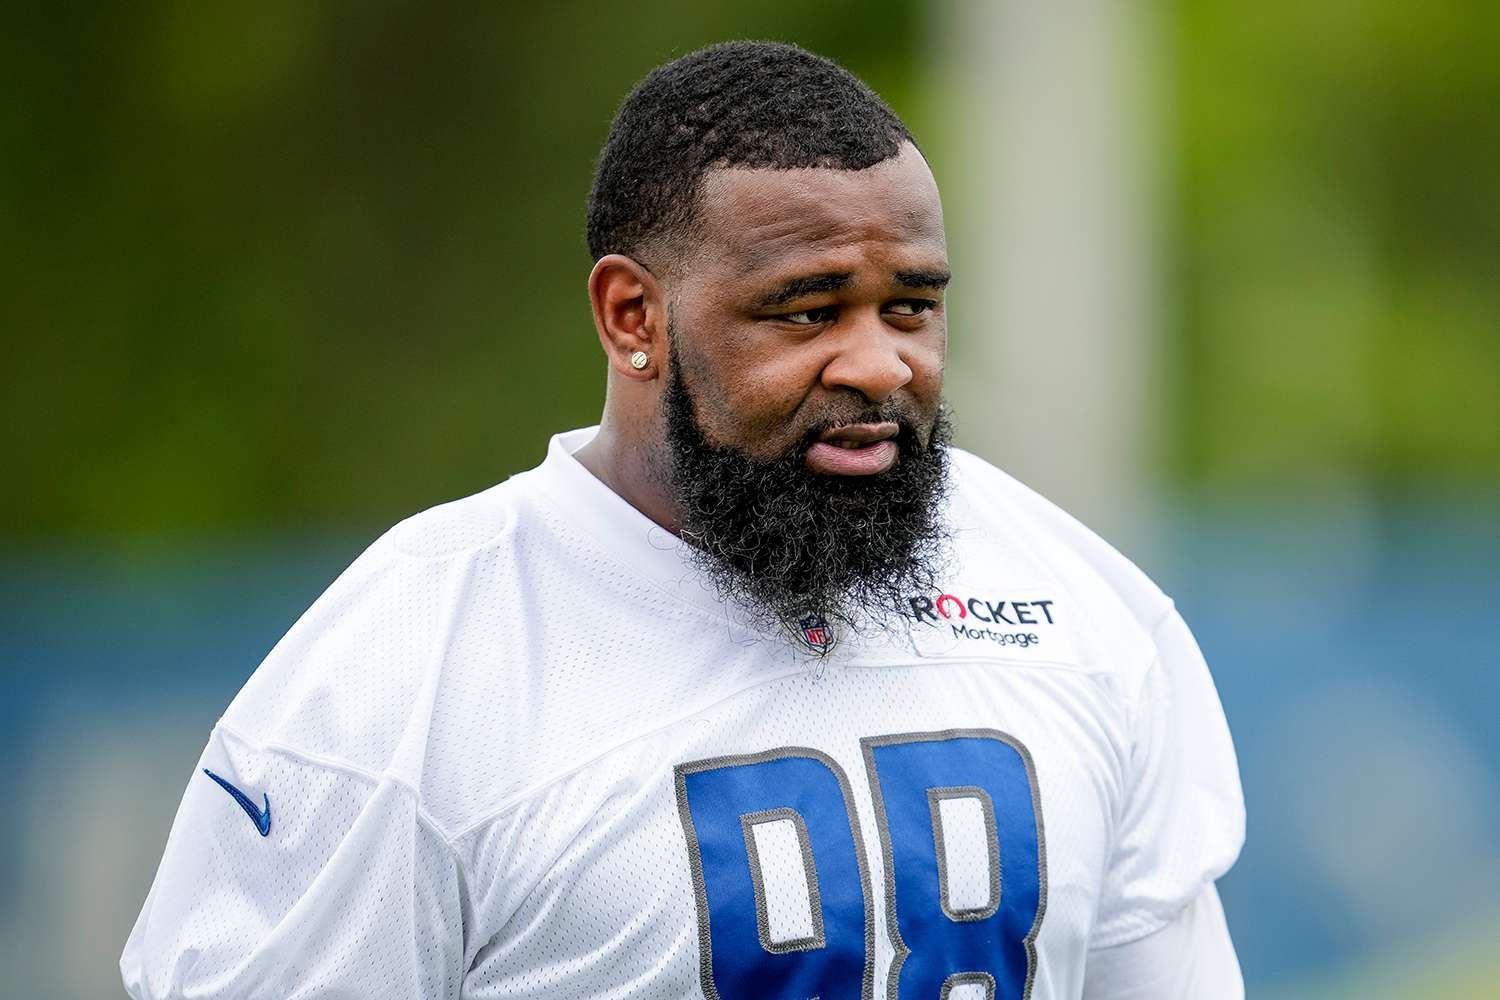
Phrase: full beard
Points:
(783, 542)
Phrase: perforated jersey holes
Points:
(789, 913)
(968, 851)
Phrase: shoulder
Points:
(1055, 535)
(995, 494)
(356, 681)
(1118, 605)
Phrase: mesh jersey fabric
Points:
(471, 744)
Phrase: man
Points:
(758, 689)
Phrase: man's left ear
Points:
(630, 316)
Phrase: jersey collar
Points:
(622, 531)
(660, 557)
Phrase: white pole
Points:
(1056, 357)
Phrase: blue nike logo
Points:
(262, 817)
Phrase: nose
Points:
(868, 360)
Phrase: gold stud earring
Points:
(638, 360)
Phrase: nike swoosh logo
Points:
(261, 817)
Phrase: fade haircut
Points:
(735, 104)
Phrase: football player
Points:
(758, 688)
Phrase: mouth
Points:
(854, 450)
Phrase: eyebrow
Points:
(812, 284)
(808, 284)
(937, 280)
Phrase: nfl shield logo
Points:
(815, 632)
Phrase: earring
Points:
(639, 360)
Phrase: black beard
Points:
(783, 542)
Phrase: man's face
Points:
(801, 409)
(816, 295)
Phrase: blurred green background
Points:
(279, 275)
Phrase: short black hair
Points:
(735, 104)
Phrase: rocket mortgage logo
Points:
(1004, 622)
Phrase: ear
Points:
(630, 313)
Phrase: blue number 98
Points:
(783, 887)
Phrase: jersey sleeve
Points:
(1183, 818)
(1191, 958)
(313, 881)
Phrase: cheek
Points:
(743, 394)
(736, 359)
(927, 367)
(925, 354)
(759, 400)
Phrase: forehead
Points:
(760, 221)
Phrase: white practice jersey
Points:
(521, 749)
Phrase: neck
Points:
(634, 469)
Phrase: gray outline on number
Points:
(695, 860)
(958, 979)
(992, 842)
(893, 926)
(748, 822)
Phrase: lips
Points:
(854, 450)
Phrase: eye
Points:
(811, 317)
(911, 307)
